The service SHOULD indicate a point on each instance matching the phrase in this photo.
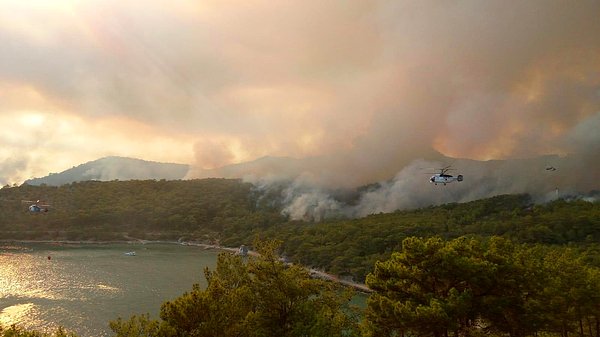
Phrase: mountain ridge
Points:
(407, 184)
(114, 168)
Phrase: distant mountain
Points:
(336, 170)
(114, 168)
(317, 188)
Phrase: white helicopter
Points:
(36, 207)
(443, 178)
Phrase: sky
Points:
(370, 84)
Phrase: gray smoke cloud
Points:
(410, 187)
(355, 91)
(310, 204)
(480, 80)
(14, 165)
(470, 80)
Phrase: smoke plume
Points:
(355, 91)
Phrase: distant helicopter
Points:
(443, 178)
(36, 207)
(550, 168)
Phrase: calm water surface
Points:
(84, 286)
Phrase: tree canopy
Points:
(466, 286)
(232, 213)
(251, 296)
(117, 210)
(494, 267)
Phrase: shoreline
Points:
(313, 272)
(132, 241)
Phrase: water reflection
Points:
(28, 275)
(83, 287)
(15, 314)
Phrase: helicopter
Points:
(550, 168)
(36, 207)
(443, 178)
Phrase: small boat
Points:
(130, 253)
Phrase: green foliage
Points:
(498, 266)
(15, 331)
(432, 287)
(253, 296)
(233, 213)
(136, 326)
(351, 247)
(117, 210)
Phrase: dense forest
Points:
(232, 213)
(501, 266)
(464, 287)
(351, 247)
(117, 210)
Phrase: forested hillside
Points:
(233, 213)
(501, 266)
(351, 247)
(117, 210)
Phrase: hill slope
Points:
(113, 210)
(234, 213)
(114, 168)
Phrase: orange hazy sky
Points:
(212, 83)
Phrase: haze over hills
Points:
(316, 188)
(312, 187)
(114, 168)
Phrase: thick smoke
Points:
(310, 204)
(12, 166)
(479, 80)
(357, 90)
(410, 188)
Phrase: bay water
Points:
(81, 287)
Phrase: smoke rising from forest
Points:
(410, 188)
(469, 80)
(357, 91)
